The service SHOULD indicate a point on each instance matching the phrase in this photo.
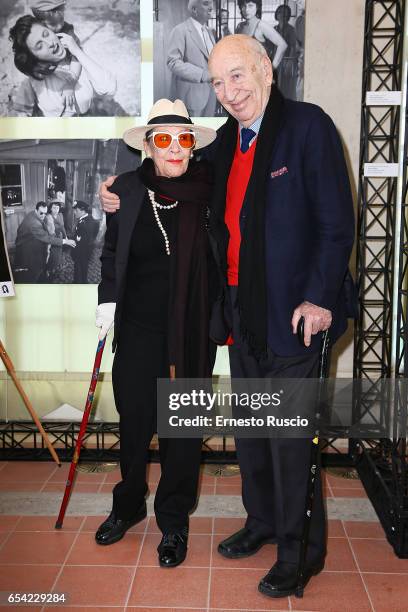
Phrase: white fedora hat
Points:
(165, 113)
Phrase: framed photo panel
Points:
(54, 226)
(186, 30)
(74, 58)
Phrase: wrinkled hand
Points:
(69, 43)
(110, 202)
(316, 318)
(69, 242)
(104, 318)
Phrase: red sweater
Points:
(236, 187)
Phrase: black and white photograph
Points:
(6, 277)
(185, 31)
(54, 225)
(70, 58)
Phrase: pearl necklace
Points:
(156, 205)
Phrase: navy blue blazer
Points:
(309, 226)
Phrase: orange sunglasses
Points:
(163, 140)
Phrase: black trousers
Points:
(141, 358)
(81, 263)
(275, 471)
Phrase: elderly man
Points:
(282, 220)
(282, 217)
(190, 44)
(32, 245)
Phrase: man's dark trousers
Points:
(275, 470)
(81, 263)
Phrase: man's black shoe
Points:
(113, 529)
(173, 548)
(282, 579)
(243, 543)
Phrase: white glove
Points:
(105, 316)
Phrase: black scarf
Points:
(252, 300)
(188, 335)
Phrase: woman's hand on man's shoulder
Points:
(110, 202)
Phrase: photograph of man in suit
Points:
(32, 246)
(86, 230)
(190, 45)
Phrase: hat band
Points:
(169, 119)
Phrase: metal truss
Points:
(382, 267)
(20, 440)
(377, 196)
(400, 463)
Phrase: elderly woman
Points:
(262, 31)
(155, 291)
(62, 78)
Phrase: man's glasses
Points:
(163, 140)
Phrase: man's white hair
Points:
(191, 4)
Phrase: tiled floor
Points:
(361, 573)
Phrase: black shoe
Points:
(113, 529)
(282, 580)
(243, 543)
(173, 548)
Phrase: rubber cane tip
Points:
(58, 525)
(59, 464)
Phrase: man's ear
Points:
(267, 69)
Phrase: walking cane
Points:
(12, 373)
(314, 455)
(82, 430)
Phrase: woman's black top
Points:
(146, 298)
